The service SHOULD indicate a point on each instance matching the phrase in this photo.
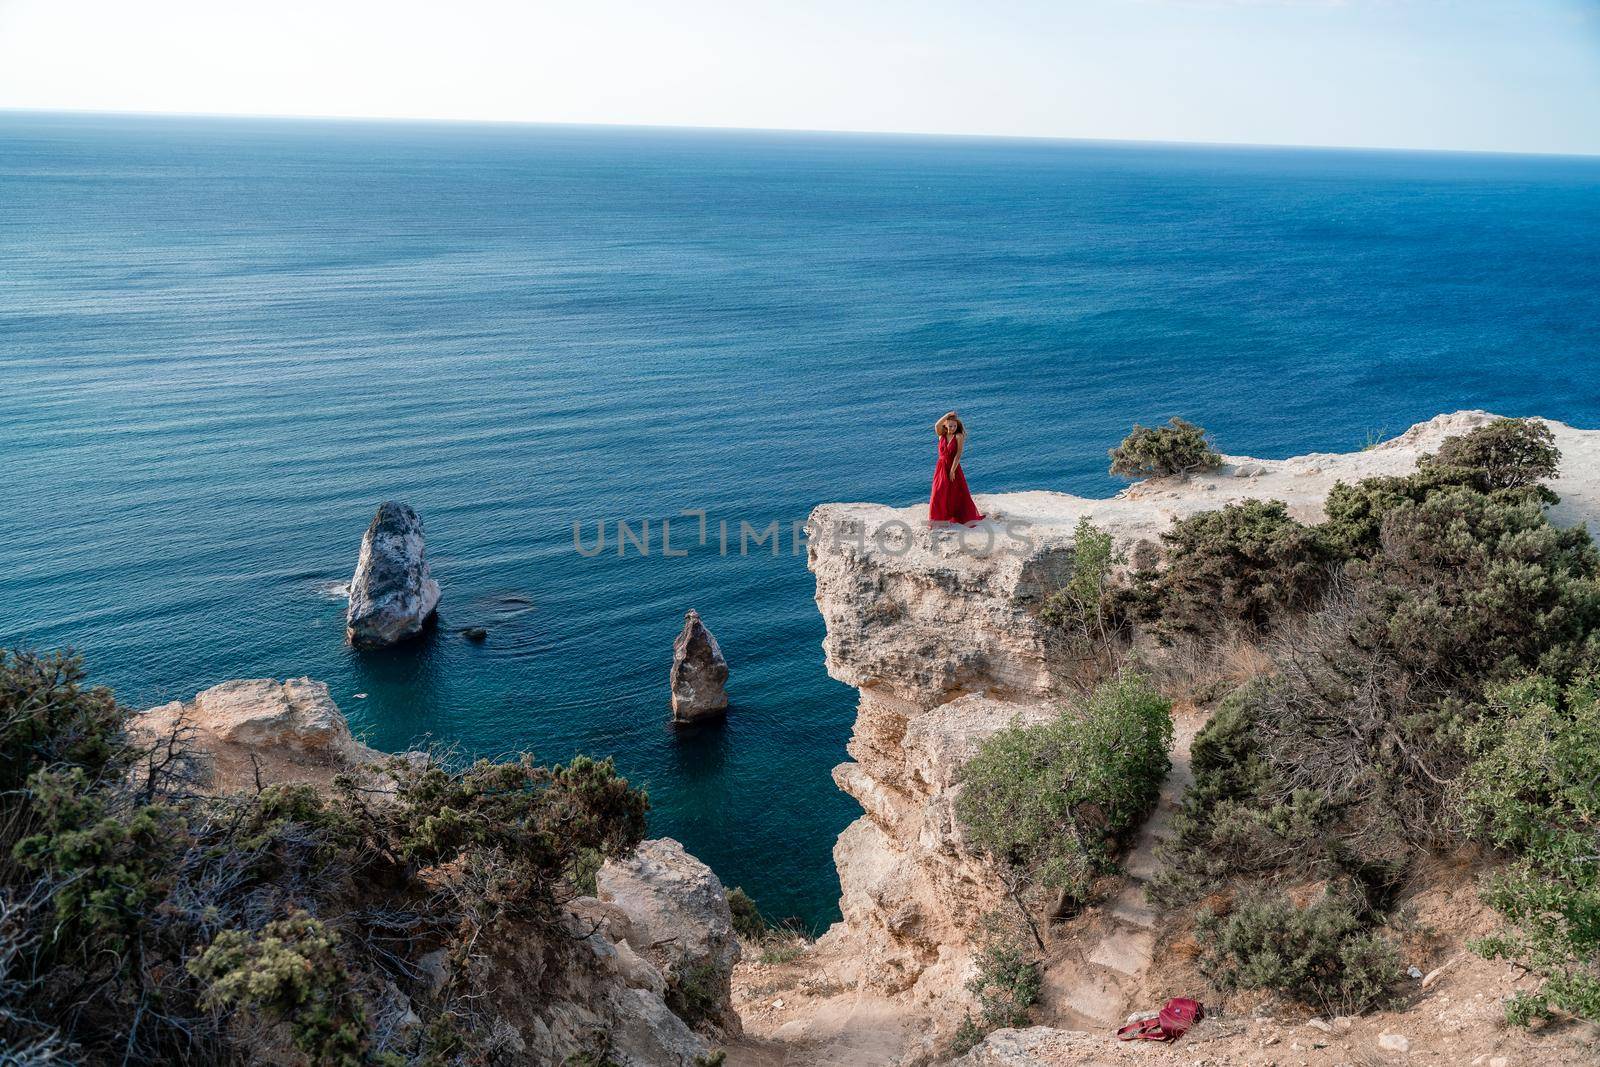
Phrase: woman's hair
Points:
(950, 425)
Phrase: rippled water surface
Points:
(223, 342)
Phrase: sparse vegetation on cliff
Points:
(1178, 448)
(748, 922)
(1006, 983)
(1088, 616)
(1438, 680)
(144, 922)
(1050, 803)
(773, 943)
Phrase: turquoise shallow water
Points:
(223, 342)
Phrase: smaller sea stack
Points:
(699, 673)
(392, 596)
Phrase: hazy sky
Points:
(1517, 75)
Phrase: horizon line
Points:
(943, 135)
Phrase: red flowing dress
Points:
(950, 500)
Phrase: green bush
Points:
(1354, 513)
(1270, 802)
(1088, 614)
(1005, 981)
(1323, 955)
(1532, 790)
(1370, 695)
(1049, 803)
(1505, 454)
(1220, 830)
(1244, 564)
(1471, 586)
(1508, 458)
(151, 924)
(748, 922)
(289, 971)
(1163, 451)
(109, 861)
(1387, 714)
(539, 826)
(693, 994)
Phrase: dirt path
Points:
(847, 1030)
(1095, 981)
(1103, 970)
(1099, 978)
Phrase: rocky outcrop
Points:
(672, 913)
(699, 673)
(938, 630)
(607, 991)
(278, 730)
(666, 920)
(1037, 1046)
(392, 595)
(909, 890)
(297, 715)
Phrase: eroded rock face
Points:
(392, 595)
(671, 910)
(699, 673)
(910, 891)
(938, 630)
(613, 992)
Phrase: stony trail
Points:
(1096, 987)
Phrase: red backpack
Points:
(1171, 1023)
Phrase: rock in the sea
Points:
(392, 595)
(699, 673)
(678, 919)
(475, 634)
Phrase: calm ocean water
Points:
(222, 343)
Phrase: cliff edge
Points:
(937, 629)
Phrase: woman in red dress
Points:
(950, 500)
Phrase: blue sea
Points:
(224, 342)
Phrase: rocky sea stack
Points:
(699, 673)
(392, 596)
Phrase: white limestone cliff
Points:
(937, 630)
